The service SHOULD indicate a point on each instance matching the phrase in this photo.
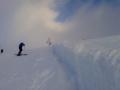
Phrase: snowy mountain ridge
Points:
(85, 67)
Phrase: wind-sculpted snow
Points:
(58, 67)
(90, 68)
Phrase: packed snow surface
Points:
(87, 66)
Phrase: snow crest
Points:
(59, 67)
(91, 68)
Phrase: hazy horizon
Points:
(33, 21)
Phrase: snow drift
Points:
(87, 66)
(91, 68)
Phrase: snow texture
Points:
(87, 66)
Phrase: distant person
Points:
(21, 45)
(49, 42)
(1, 51)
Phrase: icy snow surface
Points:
(88, 66)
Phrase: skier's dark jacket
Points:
(21, 45)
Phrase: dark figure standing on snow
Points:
(20, 48)
(49, 42)
(1, 51)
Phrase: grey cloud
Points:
(34, 21)
(93, 23)
(31, 22)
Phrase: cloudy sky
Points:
(33, 21)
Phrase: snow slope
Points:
(37, 71)
(90, 65)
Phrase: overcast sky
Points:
(33, 21)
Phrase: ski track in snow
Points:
(61, 68)
(63, 60)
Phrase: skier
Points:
(20, 48)
(1, 51)
(49, 42)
